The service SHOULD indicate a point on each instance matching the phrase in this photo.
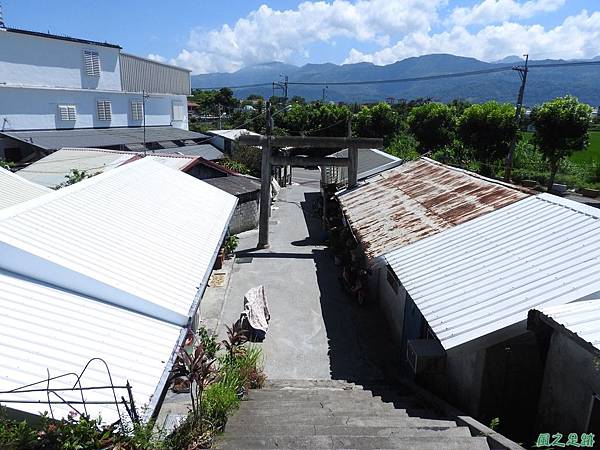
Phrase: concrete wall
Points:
(392, 304)
(37, 109)
(571, 377)
(27, 60)
(245, 217)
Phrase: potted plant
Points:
(230, 245)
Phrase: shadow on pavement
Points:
(360, 347)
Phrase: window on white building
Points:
(67, 112)
(137, 110)
(104, 110)
(91, 61)
(178, 111)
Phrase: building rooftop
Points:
(232, 134)
(206, 151)
(235, 184)
(131, 248)
(53, 170)
(582, 319)
(418, 199)
(101, 137)
(62, 38)
(370, 162)
(476, 282)
(15, 189)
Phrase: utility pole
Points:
(522, 71)
(283, 85)
(352, 159)
(265, 178)
(220, 114)
(324, 93)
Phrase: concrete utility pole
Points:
(265, 181)
(522, 71)
(352, 159)
(282, 85)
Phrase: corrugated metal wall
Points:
(139, 74)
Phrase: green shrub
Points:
(218, 401)
(209, 342)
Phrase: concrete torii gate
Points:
(267, 143)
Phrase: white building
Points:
(119, 282)
(50, 82)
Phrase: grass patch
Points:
(591, 154)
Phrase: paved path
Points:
(316, 332)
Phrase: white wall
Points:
(27, 60)
(37, 109)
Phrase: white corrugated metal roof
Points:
(53, 170)
(15, 189)
(111, 267)
(582, 318)
(142, 236)
(45, 328)
(233, 134)
(486, 274)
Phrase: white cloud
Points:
(268, 34)
(577, 37)
(497, 11)
(399, 29)
(157, 58)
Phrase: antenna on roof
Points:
(1, 18)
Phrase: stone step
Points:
(257, 422)
(352, 410)
(362, 442)
(341, 430)
(308, 384)
(341, 404)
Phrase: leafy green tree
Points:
(404, 146)
(226, 99)
(561, 127)
(459, 105)
(298, 99)
(433, 124)
(315, 119)
(378, 121)
(488, 130)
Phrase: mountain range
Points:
(542, 83)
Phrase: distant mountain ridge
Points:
(542, 85)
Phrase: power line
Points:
(412, 79)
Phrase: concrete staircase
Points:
(339, 415)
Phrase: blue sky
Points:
(208, 36)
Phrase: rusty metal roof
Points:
(418, 199)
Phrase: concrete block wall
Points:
(245, 217)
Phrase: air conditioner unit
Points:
(426, 356)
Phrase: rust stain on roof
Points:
(418, 199)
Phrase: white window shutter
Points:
(137, 110)
(67, 112)
(104, 110)
(92, 63)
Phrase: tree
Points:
(488, 130)
(561, 127)
(225, 98)
(298, 99)
(433, 124)
(378, 121)
(315, 119)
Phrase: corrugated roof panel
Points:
(147, 231)
(101, 137)
(49, 331)
(15, 189)
(581, 318)
(486, 274)
(370, 162)
(53, 170)
(419, 199)
(205, 151)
